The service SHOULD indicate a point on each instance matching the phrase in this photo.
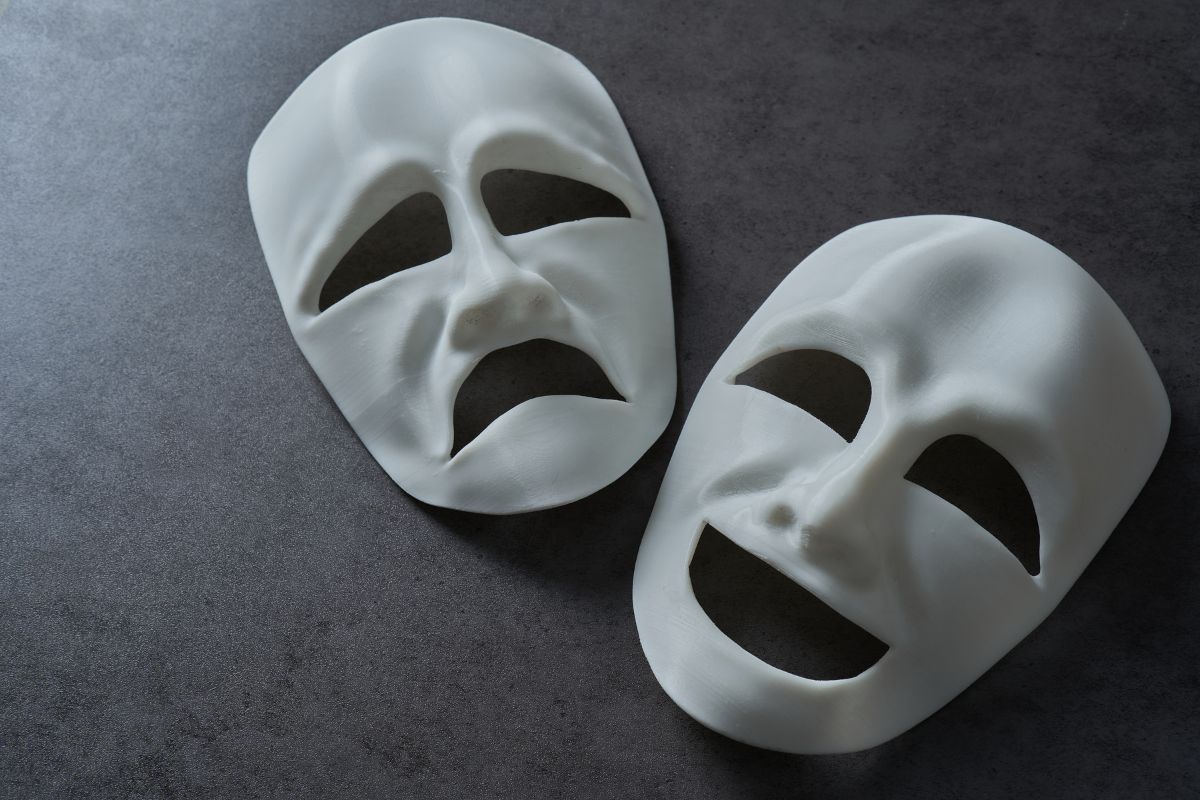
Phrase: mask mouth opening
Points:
(506, 378)
(774, 618)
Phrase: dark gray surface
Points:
(209, 589)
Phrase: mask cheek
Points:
(612, 274)
(378, 348)
(758, 442)
(966, 597)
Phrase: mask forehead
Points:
(433, 88)
(963, 326)
(954, 294)
(426, 94)
(982, 299)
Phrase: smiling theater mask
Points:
(416, 121)
(963, 328)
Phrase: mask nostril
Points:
(780, 515)
(474, 317)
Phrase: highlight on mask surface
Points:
(468, 253)
(891, 476)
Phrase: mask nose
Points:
(826, 520)
(503, 304)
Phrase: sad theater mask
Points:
(431, 108)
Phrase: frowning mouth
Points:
(775, 619)
(507, 377)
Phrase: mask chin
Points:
(442, 190)
(967, 331)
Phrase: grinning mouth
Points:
(507, 377)
(775, 619)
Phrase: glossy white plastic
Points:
(434, 105)
(964, 326)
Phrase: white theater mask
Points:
(964, 328)
(417, 118)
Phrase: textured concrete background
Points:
(209, 589)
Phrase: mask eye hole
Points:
(414, 232)
(831, 388)
(519, 200)
(981, 483)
